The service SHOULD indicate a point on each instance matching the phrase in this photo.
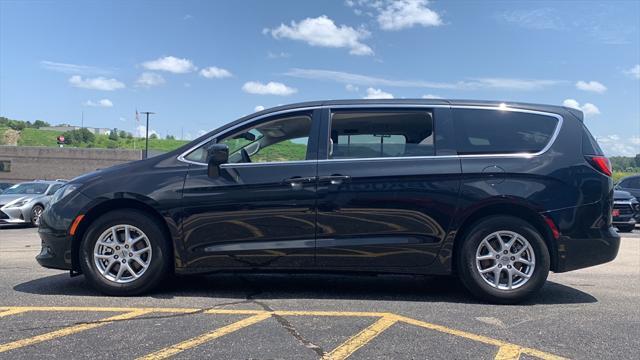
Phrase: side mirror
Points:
(217, 154)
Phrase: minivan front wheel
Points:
(124, 253)
(503, 259)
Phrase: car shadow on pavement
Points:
(239, 287)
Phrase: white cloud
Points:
(351, 88)
(141, 131)
(323, 32)
(213, 72)
(258, 108)
(270, 88)
(536, 19)
(397, 15)
(634, 72)
(472, 84)
(280, 55)
(588, 109)
(431, 96)
(593, 86)
(99, 83)
(99, 103)
(148, 79)
(615, 145)
(171, 64)
(511, 83)
(377, 94)
(73, 68)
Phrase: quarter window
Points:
(365, 134)
(501, 132)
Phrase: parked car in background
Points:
(626, 211)
(24, 203)
(4, 186)
(630, 184)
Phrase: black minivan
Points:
(498, 194)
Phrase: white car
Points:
(24, 203)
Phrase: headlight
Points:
(18, 203)
(63, 192)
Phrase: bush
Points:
(77, 137)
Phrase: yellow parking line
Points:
(508, 352)
(361, 339)
(505, 350)
(199, 340)
(102, 309)
(11, 312)
(505, 347)
(69, 330)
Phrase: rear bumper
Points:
(581, 253)
(56, 250)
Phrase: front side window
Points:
(282, 139)
(479, 131)
(376, 134)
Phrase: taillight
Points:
(600, 163)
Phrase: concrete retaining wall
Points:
(29, 162)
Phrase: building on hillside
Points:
(63, 128)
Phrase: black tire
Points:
(36, 212)
(626, 228)
(470, 275)
(159, 265)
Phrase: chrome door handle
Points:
(335, 179)
(297, 182)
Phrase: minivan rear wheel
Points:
(124, 253)
(503, 259)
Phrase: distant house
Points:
(63, 128)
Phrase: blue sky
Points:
(200, 64)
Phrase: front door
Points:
(385, 200)
(260, 211)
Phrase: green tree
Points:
(170, 137)
(113, 134)
(153, 136)
(122, 134)
(112, 144)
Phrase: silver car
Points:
(24, 203)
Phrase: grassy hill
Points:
(37, 137)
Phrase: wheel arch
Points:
(104, 207)
(507, 209)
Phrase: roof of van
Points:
(452, 102)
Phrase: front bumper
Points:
(15, 215)
(56, 250)
(581, 253)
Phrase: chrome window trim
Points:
(550, 143)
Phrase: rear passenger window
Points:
(501, 132)
(367, 134)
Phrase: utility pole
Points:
(146, 142)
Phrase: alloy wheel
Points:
(122, 253)
(505, 260)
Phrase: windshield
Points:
(27, 188)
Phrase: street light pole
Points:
(146, 143)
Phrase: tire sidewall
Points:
(472, 279)
(160, 258)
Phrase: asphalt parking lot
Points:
(591, 313)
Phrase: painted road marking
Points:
(361, 339)
(69, 330)
(204, 338)
(384, 321)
